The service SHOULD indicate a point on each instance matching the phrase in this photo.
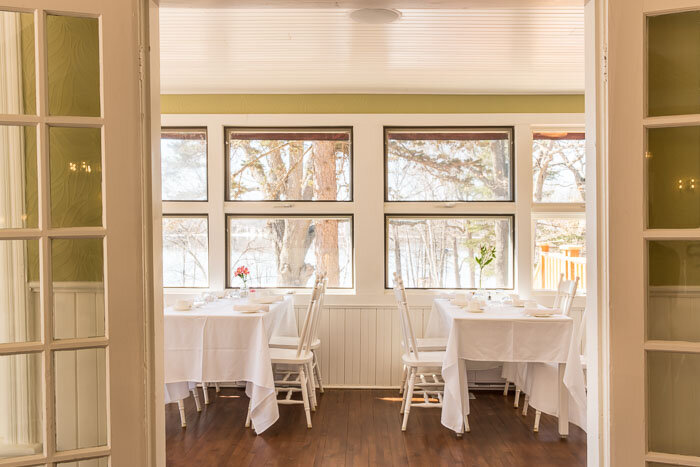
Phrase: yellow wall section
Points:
(367, 103)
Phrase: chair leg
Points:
(218, 388)
(526, 402)
(181, 406)
(312, 386)
(505, 389)
(247, 418)
(409, 398)
(516, 402)
(467, 429)
(317, 367)
(403, 380)
(197, 403)
(305, 396)
(536, 428)
(206, 393)
(404, 390)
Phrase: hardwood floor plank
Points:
(363, 428)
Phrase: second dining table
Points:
(503, 333)
(215, 343)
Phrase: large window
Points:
(448, 164)
(362, 196)
(438, 252)
(277, 164)
(183, 153)
(288, 251)
(558, 193)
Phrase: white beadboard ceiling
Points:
(321, 50)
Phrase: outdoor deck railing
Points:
(551, 265)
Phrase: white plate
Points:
(250, 311)
(480, 310)
(543, 315)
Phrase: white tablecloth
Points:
(505, 334)
(216, 343)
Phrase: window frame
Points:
(206, 163)
(511, 152)
(550, 210)
(368, 206)
(200, 216)
(284, 216)
(513, 236)
(289, 129)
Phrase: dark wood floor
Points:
(363, 427)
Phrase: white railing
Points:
(550, 266)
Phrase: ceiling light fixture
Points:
(375, 15)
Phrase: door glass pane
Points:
(78, 288)
(81, 398)
(97, 462)
(673, 389)
(185, 251)
(673, 309)
(183, 155)
(76, 176)
(17, 63)
(20, 405)
(73, 60)
(673, 177)
(674, 63)
(20, 307)
(18, 179)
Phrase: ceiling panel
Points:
(524, 50)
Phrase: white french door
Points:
(654, 243)
(75, 270)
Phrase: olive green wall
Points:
(76, 198)
(367, 103)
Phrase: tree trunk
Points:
(458, 278)
(502, 231)
(325, 188)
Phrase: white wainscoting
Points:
(81, 393)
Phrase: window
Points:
(184, 164)
(558, 167)
(448, 164)
(438, 252)
(289, 251)
(185, 251)
(278, 164)
(558, 193)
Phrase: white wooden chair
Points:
(292, 342)
(424, 344)
(300, 362)
(424, 367)
(181, 404)
(548, 373)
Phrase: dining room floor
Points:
(363, 427)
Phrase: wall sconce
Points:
(687, 184)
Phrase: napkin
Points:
(251, 307)
(268, 299)
(540, 311)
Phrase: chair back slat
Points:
(305, 337)
(409, 336)
(317, 316)
(560, 291)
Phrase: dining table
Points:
(215, 342)
(506, 333)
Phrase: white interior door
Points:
(654, 248)
(75, 270)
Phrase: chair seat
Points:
(431, 343)
(431, 359)
(290, 356)
(291, 342)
